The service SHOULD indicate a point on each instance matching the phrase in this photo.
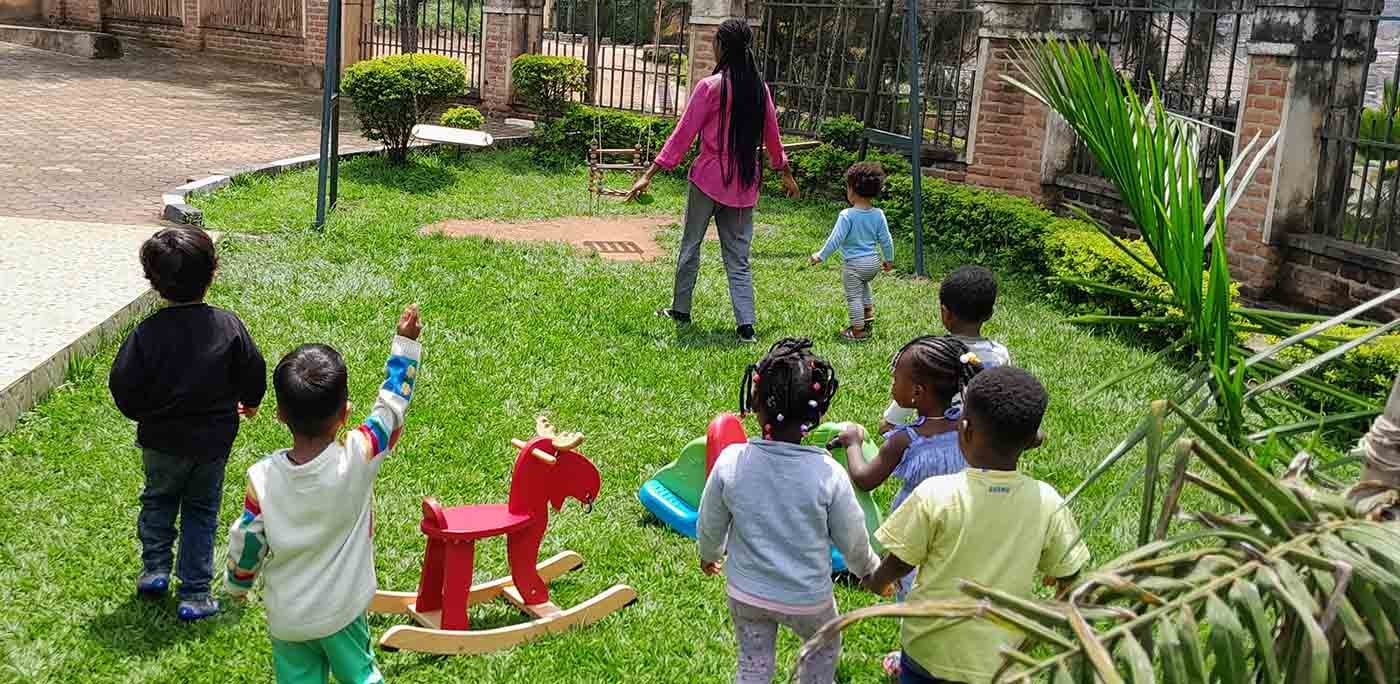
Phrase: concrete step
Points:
(85, 44)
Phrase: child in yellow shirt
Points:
(989, 523)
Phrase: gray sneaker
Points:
(197, 608)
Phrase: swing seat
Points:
(447, 135)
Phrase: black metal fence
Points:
(636, 50)
(1359, 178)
(823, 59)
(1193, 51)
(442, 27)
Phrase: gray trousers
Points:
(856, 275)
(735, 235)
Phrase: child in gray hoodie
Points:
(777, 507)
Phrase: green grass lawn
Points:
(512, 330)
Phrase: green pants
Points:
(347, 653)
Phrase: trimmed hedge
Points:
(391, 93)
(546, 84)
(821, 171)
(463, 117)
(564, 142)
(989, 228)
(1374, 366)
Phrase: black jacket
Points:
(181, 375)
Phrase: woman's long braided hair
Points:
(741, 92)
(942, 362)
(793, 385)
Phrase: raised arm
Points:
(247, 546)
(867, 475)
(380, 430)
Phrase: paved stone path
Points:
(100, 140)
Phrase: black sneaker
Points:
(674, 315)
(746, 334)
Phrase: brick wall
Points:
(503, 39)
(702, 56)
(1094, 196)
(1253, 263)
(79, 13)
(1321, 274)
(1010, 130)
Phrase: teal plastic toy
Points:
(673, 494)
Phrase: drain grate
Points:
(613, 246)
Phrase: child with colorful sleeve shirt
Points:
(308, 523)
(990, 524)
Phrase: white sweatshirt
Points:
(308, 529)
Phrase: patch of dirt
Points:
(620, 238)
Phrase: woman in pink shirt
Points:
(730, 111)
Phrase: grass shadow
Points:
(421, 174)
(693, 337)
(143, 627)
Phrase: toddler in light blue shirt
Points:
(859, 231)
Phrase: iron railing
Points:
(451, 28)
(635, 50)
(817, 58)
(158, 11)
(1193, 52)
(1359, 163)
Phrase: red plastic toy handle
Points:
(725, 430)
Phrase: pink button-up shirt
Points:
(704, 115)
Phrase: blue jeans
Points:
(911, 673)
(178, 486)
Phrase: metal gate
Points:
(1192, 50)
(824, 59)
(636, 50)
(1359, 166)
(451, 28)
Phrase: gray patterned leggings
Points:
(757, 632)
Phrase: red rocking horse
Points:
(548, 469)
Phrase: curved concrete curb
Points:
(177, 208)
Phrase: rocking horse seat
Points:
(469, 523)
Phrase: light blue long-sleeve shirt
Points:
(777, 509)
(857, 233)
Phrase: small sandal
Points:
(891, 664)
(673, 315)
(850, 334)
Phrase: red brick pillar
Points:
(1008, 134)
(1254, 261)
(85, 14)
(507, 26)
(1010, 144)
(1297, 59)
(705, 18)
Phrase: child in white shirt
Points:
(308, 522)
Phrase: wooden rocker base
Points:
(426, 637)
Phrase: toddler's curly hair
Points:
(866, 178)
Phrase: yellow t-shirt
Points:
(997, 528)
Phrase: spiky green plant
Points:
(1293, 584)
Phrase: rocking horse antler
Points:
(567, 441)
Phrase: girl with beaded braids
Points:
(928, 373)
(775, 508)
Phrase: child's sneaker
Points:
(746, 334)
(153, 584)
(197, 608)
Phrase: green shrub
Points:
(1368, 370)
(843, 131)
(564, 141)
(463, 117)
(1077, 250)
(546, 84)
(391, 93)
(982, 226)
(821, 171)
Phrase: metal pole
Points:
(872, 94)
(916, 133)
(330, 82)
